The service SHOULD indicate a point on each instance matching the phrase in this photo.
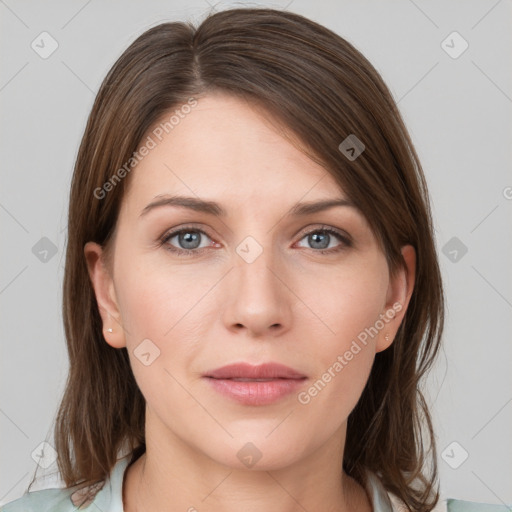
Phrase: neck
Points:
(178, 478)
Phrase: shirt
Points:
(110, 498)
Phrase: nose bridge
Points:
(255, 265)
(259, 298)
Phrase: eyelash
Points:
(346, 242)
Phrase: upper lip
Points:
(249, 371)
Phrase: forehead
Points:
(228, 148)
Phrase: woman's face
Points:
(260, 283)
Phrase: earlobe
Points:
(399, 294)
(104, 291)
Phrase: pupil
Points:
(189, 238)
(315, 240)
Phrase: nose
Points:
(259, 298)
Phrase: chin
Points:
(258, 452)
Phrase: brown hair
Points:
(317, 85)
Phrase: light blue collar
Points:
(377, 493)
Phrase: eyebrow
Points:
(213, 208)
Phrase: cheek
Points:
(165, 306)
(158, 337)
(344, 300)
(155, 298)
(348, 304)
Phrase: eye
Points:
(321, 239)
(189, 238)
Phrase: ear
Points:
(104, 290)
(397, 300)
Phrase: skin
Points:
(291, 305)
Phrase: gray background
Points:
(458, 111)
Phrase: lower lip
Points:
(256, 392)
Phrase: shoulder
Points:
(105, 496)
(452, 505)
(470, 506)
(399, 506)
(55, 500)
(44, 500)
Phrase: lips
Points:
(255, 385)
(244, 372)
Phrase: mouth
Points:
(262, 372)
(250, 380)
(255, 385)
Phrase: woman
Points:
(251, 293)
